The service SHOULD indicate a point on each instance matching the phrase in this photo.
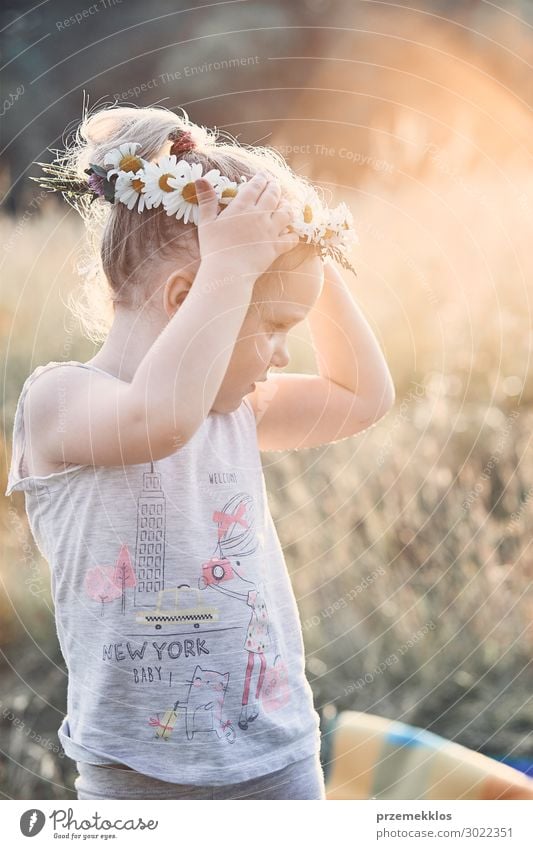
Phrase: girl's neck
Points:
(127, 343)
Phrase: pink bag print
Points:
(275, 691)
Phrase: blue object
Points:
(523, 764)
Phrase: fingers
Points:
(287, 242)
(207, 200)
(282, 215)
(270, 196)
(249, 192)
(203, 188)
(263, 191)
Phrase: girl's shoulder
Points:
(40, 410)
(32, 421)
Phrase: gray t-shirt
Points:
(174, 609)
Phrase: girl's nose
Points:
(281, 356)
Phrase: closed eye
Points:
(278, 332)
(281, 328)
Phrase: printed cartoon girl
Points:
(235, 534)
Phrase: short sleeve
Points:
(17, 478)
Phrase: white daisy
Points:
(340, 228)
(308, 220)
(129, 189)
(183, 202)
(123, 158)
(228, 190)
(158, 176)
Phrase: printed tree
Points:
(106, 583)
(99, 585)
(124, 576)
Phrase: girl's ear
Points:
(175, 291)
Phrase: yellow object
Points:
(376, 758)
(161, 615)
(168, 722)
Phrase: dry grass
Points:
(409, 545)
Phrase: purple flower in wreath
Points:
(96, 183)
(99, 183)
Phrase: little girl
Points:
(141, 467)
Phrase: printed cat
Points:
(204, 704)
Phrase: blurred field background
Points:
(409, 545)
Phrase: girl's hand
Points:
(248, 233)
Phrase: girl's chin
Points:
(229, 401)
(227, 405)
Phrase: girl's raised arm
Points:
(91, 419)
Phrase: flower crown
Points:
(141, 184)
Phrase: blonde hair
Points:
(121, 244)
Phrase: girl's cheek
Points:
(263, 349)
